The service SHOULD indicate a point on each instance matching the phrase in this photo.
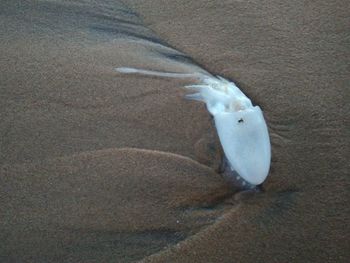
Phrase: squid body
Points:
(241, 127)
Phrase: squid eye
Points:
(240, 120)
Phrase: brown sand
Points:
(98, 167)
(103, 205)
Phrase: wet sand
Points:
(102, 167)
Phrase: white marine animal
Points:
(241, 127)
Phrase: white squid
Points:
(241, 127)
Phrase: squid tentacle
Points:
(241, 127)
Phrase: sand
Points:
(102, 167)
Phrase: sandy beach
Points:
(97, 166)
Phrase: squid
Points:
(240, 125)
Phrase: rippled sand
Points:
(102, 167)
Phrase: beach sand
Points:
(98, 166)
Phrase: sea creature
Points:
(241, 127)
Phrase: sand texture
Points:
(97, 166)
